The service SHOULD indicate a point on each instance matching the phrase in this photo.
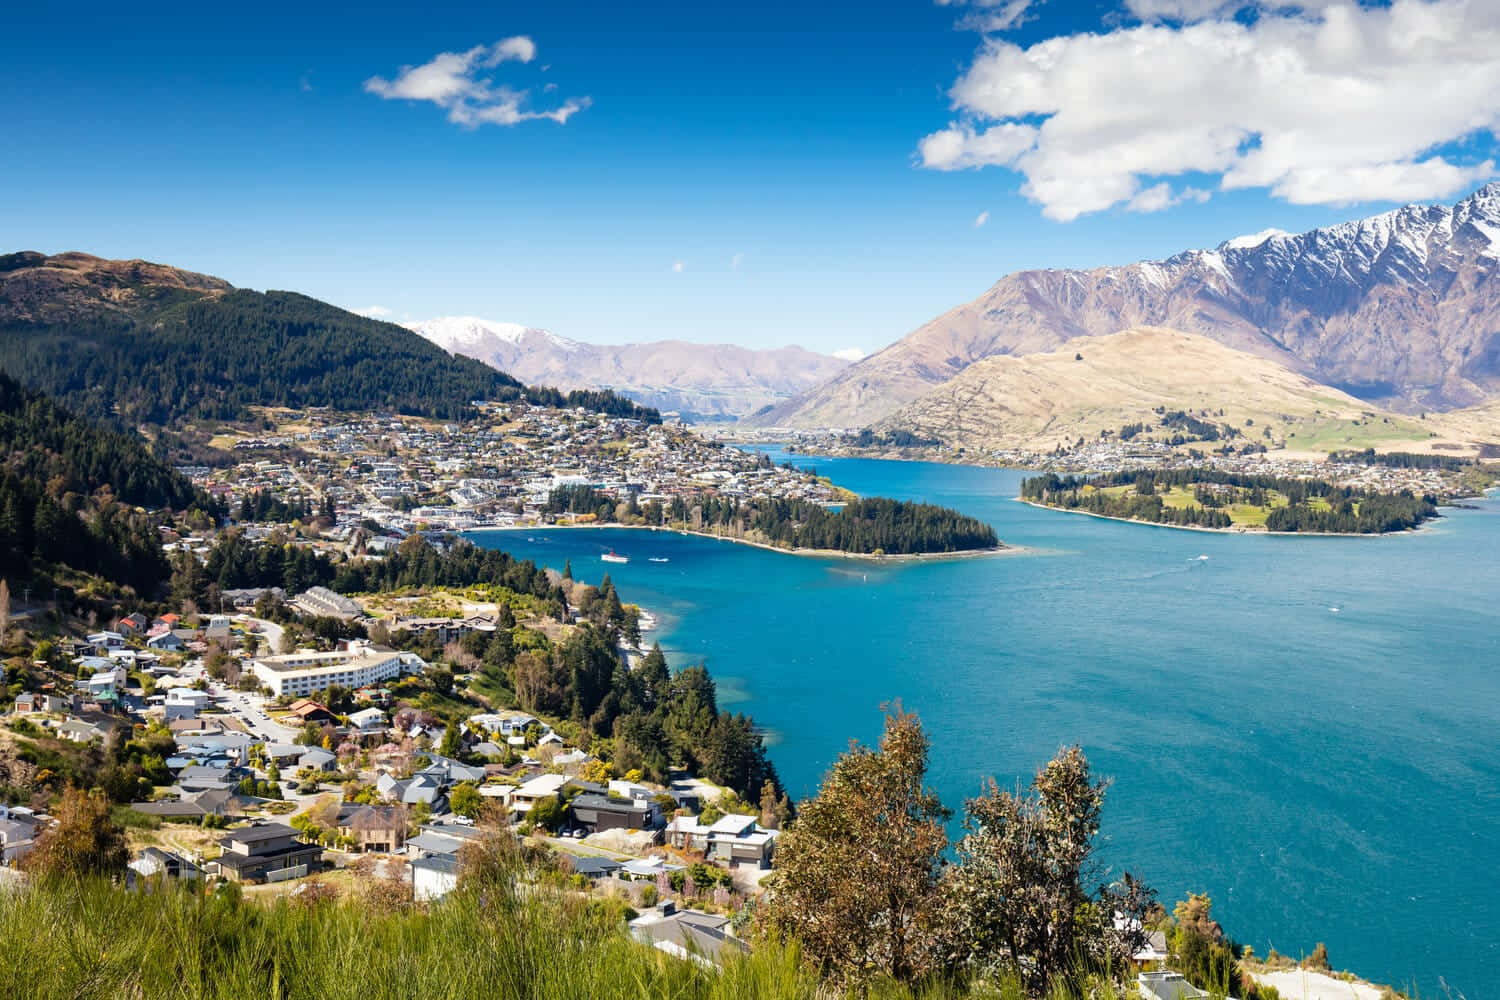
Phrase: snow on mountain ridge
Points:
(1253, 240)
(453, 332)
(1403, 245)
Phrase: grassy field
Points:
(1243, 515)
(1324, 434)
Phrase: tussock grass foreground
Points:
(88, 938)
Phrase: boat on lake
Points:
(614, 557)
(658, 559)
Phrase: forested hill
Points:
(138, 343)
(69, 493)
(45, 444)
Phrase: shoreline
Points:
(1001, 550)
(1232, 530)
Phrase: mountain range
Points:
(699, 381)
(1399, 310)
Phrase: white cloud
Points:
(458, 83)
(678, 266)
(736, 261)
(959, 146)
(517, 47)
(373, 312)
(992, 15)
(981, 218)
(1326, 103)
(1161, 196)
(849, 354)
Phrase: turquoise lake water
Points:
(1326, 775)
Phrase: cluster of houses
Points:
(527, 763)
(225, 747)
(497, 469)
(1113, 455)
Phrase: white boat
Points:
(614, 557)
(658, 559)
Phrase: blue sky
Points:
(762, 174)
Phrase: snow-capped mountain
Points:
(477, 338)
(708, 381)
(1399, 308)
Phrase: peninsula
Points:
(873, 527)
(1211, 499)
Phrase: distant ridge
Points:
(1401, 309)
(707, 381)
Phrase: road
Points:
(270, 633)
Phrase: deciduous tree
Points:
(85, 839)
(857, 873)
(1020, 898)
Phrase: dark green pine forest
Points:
(77, 496)
(133, 353)
(866, 525)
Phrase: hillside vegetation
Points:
(71, 493)
(1212, 498)
(139, 343)
(89, 940)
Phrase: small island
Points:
(871, 526)
(1213, 499)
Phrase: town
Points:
(297, 740)
(260, 782)
(497, 470)
(1443, 479)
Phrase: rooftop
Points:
(259, 833)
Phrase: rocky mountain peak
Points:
(1400, 308)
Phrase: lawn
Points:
(1243, 515)
(1326, 434)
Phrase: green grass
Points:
(89, 940)
(1326, 434)
(1243, 515)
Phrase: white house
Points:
(105, 641)
(433, 877)
(187, 696)
(735, 840)
(703, 938)
(543, 786)
(503, 723)
(112, 680)
(368, 720)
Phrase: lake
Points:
(1307, 729)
